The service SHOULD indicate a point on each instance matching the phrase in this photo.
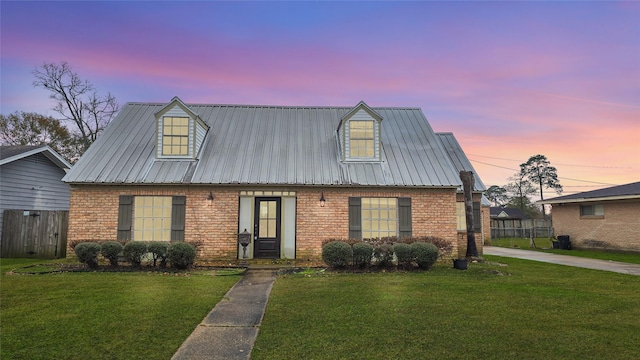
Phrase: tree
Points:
(539, 172)
(519, 189)
(467, 187)
(77, 101)
(25, 128)
(497, 195)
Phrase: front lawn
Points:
(102, 315)
(544, 244)
(514, 309)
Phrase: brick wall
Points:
(486, 225)
(619, 229)
(433, 213)
(93, 215)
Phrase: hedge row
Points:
(445, 248)
(340, 254)
(180, 255)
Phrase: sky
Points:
(509, 79)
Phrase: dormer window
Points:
(180, 132)
(361, 139)
(359, 135)
(175, 136)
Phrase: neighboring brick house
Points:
(606, 219)
(291, 176)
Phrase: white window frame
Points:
(165, 136)
(596, 211)
(363, 139)
(152, 218)
(377, 211)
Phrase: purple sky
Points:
(509, 79)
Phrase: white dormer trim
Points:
(361, 112)
(197, 129)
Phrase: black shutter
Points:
(178, 218)
(355, 218)
(125, 213)
(477, 218)
(404, 217)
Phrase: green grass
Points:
(9, 264)
(101, 315)
(525, 310)
(544, 244)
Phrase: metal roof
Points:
(458, 158)
(275, 145)
(620, 192)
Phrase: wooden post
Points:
(532, 244)
(467, 186)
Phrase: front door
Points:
(267, 228)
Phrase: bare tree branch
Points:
(76, 101)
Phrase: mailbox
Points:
(244, 238)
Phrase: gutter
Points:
(582, 200)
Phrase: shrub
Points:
(158, 250)
(134, 252)
(362, 253)
(111, 251)
(425, 254)
(87, 252)
(181, 255)
(337, 254)
(403, 253)
(383, 254)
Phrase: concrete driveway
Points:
(606, 265)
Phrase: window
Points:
(379, 217)
(157, 218)
(268, 218)
(152, 218)
(361, 139)
(461, 217)
(175, 136)
(591, 210)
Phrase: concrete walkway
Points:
(615, 266)
(231, 328)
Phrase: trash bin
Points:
(564, 242)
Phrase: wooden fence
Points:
(34, 233)
(521, 228)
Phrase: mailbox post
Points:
(244, 239)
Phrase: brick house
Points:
(607, 218)
(291, 176)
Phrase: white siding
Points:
(289, 226)
(246, 222)
(201, 131)
(32, 183)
